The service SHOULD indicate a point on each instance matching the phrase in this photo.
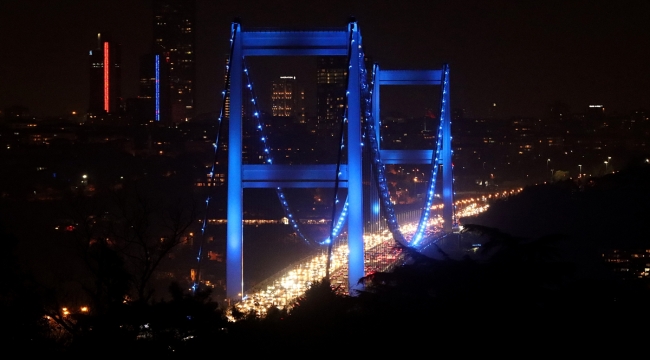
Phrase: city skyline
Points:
(143, 230)
(174, 31)
(522, 57)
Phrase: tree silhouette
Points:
(124, 237)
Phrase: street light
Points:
(609, 159)
(547, 160)
(605, 167)
(580, 174)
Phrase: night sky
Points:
(522, 55)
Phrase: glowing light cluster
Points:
(474, 206)
(107, 79)
(292, 283)
(380, 255)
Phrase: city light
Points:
(291, 283)
(151, 172)
(107, 79)
(157, 89)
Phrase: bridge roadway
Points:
(286, 286)
(283, 288)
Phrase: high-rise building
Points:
(173, 34)
(282, 100)
(153, 102)
(104, 77)
(331, 85)
(300, 112)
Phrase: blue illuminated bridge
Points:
(353, 244)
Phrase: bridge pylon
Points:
(440, 157)
(345, 42)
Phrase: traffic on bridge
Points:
(381, 254)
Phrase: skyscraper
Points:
(153, 102)
(173, 35)
(104, 77)
(331, 85)
(282, 101)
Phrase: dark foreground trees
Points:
(123, 237)
(509, 293)
(515, 290)
(185, 325)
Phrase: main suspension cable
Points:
(224, 96)
(380, 175)
(267, 156)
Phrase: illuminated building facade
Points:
(173, 35)
(104, 95)
(629, 264)
(331, 85)
(282, 96)
(153, 80)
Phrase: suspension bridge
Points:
(356, 238)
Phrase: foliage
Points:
(184, 325)
(517, 287)
(123, 237)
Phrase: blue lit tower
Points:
(173, 39)
(153, 100)
(287, 43)
(441, 157)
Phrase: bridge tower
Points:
(346, 42)
(444, 156)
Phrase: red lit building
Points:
(104, 95)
